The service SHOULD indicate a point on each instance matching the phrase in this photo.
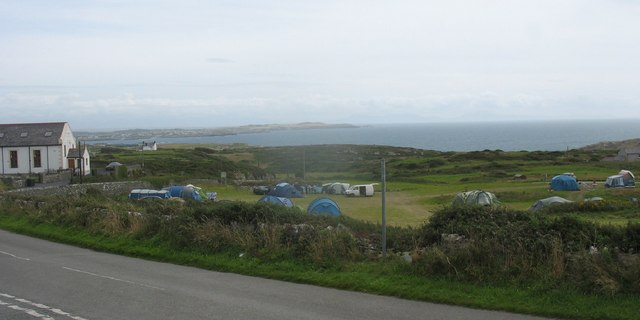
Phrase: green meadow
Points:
(419, 182)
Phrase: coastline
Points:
(133, 134)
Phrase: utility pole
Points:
(81, 159)
(384, 208)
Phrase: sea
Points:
(469, 136)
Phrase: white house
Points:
(147, 146)
(28, 148)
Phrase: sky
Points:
(115, 64)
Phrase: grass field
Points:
(411, 204)
(419, 182)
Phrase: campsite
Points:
(499, 240)
(419, 181)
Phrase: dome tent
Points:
(551, 201)
(324, 206)
(277, 200)
(285, 190)
(564, 182)
(475, 198)
(628, 177)
(184, 192)
(335, 188)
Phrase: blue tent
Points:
(324, 206)
(285, 190)
(564, 183)
(184, 192)
(277, 200)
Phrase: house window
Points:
(48, 134)
(37, 159)
(24, 134)
(13, 156)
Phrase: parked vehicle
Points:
(360, 190)
(140, 194)
(261, 190)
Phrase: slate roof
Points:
(74, 153)
(31, 134)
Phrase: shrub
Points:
(497, 244)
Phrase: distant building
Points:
(149, 146)
(629, 154)
(29, 148)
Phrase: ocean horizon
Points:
(507, 136)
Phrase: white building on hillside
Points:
(148, 146)
(29, 148)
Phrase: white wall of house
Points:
(54, 155)
(50, 159)
(68, 141)
(87, 163)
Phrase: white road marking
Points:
(32, 312)
(113, 278)
(14, 256)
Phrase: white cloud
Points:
(130, 110)
(336, 61)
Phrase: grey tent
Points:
(335, 188)
(113, 165)
(615, 181)
(475, 198)
(547, 202)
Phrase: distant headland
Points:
(130, 134)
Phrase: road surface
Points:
(42, 280)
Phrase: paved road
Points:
(44, 280)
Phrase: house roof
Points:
(31, 134)
(76, 153)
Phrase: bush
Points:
(490, 245)
(501, 245)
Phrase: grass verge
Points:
(389, 277)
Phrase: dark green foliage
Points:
(332, 158)
(201, 162)
(501, 245)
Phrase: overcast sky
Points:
(188, 63)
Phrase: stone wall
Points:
(20, 180)
(108, 188)
(57, 177)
